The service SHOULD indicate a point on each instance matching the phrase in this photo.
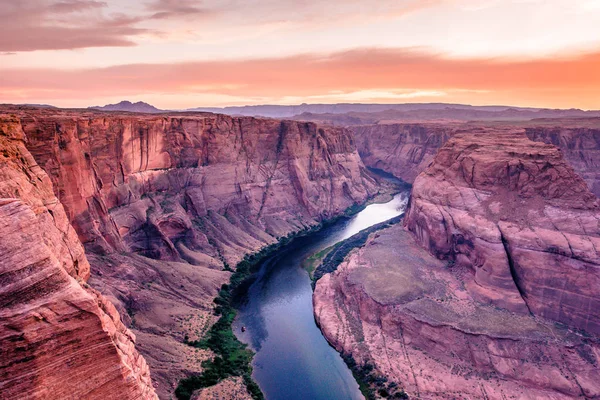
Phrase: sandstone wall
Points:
(59, 338)
(164, 203)
(396, 307)
(150, 184)
(516, 213)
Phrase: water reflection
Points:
(293, 359)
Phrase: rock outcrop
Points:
(516, 213)
(59, 338)
(404, 150)
(407, 149)
(165, 204)
(580, 146)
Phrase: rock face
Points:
(59, 338)
(580, 147)
(164, 203)
(406, 150)
(393, 305)
(120, 177)
(516, 213)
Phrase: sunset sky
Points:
(190, 53)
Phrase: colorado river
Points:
(293, 360)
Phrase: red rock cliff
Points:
(580, 147)
(520, 217)
(59, 338)
(119, 176)
(394, 306)
(403, 150)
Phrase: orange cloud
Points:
(558, 82)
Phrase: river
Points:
(293, 360)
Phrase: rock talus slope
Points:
(494, 291)
(59, 338)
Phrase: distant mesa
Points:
(139, 107)
(359, 114)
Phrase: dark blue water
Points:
(293, 360)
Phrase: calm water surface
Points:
(293, 360)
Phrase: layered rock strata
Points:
(164, 204)
(580, 146)
(59, 338)
(394, 306)
(516, 213)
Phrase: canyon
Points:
(167, 205)
(118, 230)
(489, 289)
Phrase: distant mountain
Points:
(40, 105)
(139, 107)
(276, 111)
(357, 114)
(446, 114)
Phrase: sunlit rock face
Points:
(59, 338)
(164, 203)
